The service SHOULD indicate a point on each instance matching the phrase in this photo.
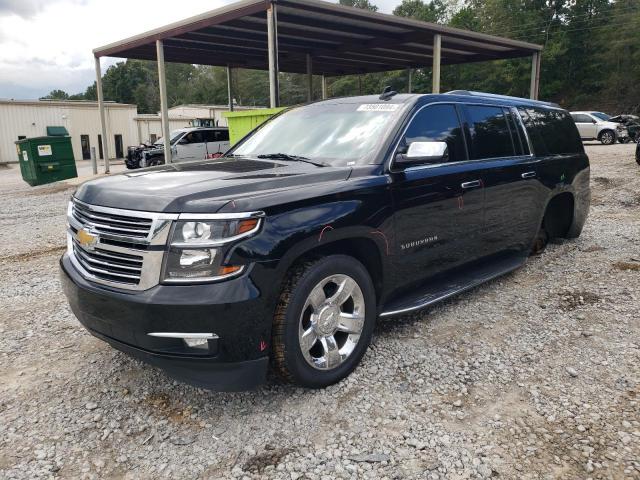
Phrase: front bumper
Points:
(234, 310)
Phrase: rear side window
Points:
(222, 135)
(552, 132)
(490, 135)
(438, 123)
(581, 118)
(209, 136)
(193, 137)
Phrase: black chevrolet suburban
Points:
(287, 249)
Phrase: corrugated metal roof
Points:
(341, 40)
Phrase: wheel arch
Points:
(364, 248)
(559, 213)
(601, 132)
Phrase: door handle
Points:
(471, 184)
(528, 174)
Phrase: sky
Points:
(47, 44)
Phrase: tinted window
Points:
(518, 139)
(209, 135)
(552, 132)
(438, 123)
(601, 116)
(581, 118)
(490, 136)
(222, 135)
(194, 137)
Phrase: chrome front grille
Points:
(110, 223)
(127, 246)
(108, 265)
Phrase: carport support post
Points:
(309, 78)
(229, 88)
(103, 121)
(437, 51)
(164, 112)
(324, 87)
(272, 37)
(535, 76)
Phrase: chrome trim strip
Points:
(84, 256)
(207, 336)
(178, 281)
(128, 213)
(220, 216)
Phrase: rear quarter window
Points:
(552, 132)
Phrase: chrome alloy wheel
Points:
(608, 138)
(331, 322)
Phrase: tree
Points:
(427, 12)
(363, 4)
(56, 95)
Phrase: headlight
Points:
(199, 246)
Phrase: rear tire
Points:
(324, 321)
(541, 241)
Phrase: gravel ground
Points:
(533, 376)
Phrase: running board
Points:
(447, 285)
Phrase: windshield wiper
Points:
(293, 158)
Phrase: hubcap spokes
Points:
(331, 322)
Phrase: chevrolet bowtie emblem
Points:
(87, 239)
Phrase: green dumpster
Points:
(46, 159)
(243, 121)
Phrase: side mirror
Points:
(183, 141)
(593, 121)
(424, 152)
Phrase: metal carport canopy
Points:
(306, 36)
(341, 40)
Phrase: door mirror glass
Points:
(424, 152)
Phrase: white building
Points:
(30, 118)
(149, 126)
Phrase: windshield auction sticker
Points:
(379, 107)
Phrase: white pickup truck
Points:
(194, 143)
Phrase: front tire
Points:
(608, 137)
(324, 321)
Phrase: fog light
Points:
(196, 342)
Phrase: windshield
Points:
(174, 136)
(601, 116)
(336, 134)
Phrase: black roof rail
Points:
(501, 97)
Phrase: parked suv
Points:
(187, 144)
(598, 126)
(323, 219)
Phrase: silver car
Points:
(596, 126)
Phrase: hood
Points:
(204, 186)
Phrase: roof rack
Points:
(500, 97)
